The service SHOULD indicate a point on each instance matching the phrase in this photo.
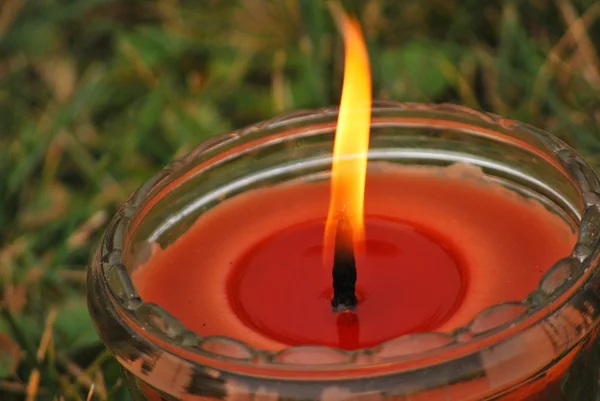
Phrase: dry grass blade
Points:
(47, 335)
(32, 385)
(8, 13)
(90, 393)
(585, 50)
(554, 57)
(100, 384)
(83, 233)
(77, 276)
(34, 377)
(10, 354)
(81, 376)
(278, 82)
(18, 388)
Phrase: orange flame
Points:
(349, 168)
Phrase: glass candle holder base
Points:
(542, 347)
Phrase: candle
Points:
(461, 265)
(429, 265)
(215, 207)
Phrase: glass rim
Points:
(164, 331)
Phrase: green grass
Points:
(97, 95)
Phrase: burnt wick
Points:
(344, 268)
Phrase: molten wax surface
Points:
(441, 245)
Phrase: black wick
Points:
(344, 268)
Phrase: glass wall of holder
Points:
(499, 349)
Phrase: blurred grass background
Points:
(97, 95)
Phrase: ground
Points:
(97, 95)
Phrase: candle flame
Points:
(349, 168)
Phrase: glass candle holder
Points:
(542, 348)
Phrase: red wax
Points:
(408, 281)
(442, 244)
